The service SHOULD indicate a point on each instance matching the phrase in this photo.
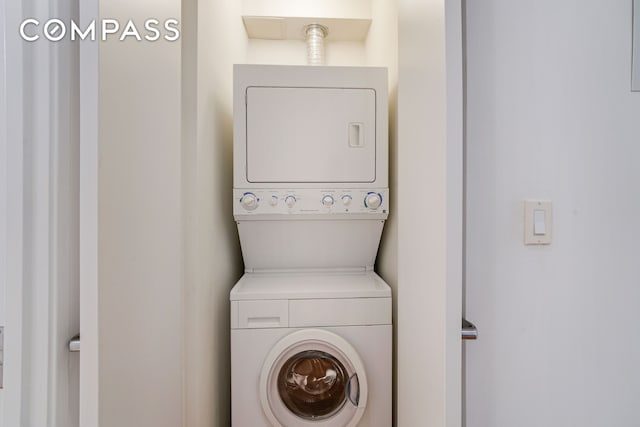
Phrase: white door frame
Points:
(12, 185)
(89, 128)
(430, 171)
(12, 168)
(39, 231)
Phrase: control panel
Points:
(311, 201)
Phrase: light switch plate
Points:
(531, 209)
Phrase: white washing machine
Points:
(311, 334)
(311, 349)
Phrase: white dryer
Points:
(311, 350)
(310, 159)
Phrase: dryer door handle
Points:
(351, 389)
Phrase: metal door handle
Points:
(469, 330)
(74, 343)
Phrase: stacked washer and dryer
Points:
(311, 334)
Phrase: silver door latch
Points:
(74, 343)
(469, 330)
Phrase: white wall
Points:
(140, 213)
(294, 52)
(381, 49)
(213, 255)
(550, 116)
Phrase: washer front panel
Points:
(250, 347)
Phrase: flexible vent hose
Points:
(315, 43)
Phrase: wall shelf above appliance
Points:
(292, 28)
(286, 19)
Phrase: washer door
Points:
(313, 377)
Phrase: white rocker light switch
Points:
(537, 222)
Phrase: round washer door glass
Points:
(313, 377)
(313, 384)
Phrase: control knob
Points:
(290, 201)
(327, 201)
(346, 200)
(373, 200)
(249, 201)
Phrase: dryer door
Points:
(313, 377)
(304, 135)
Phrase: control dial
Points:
(273, 201)
(327, 201)
(290, 201)
(373, 200)
(346, 200)
(249, 201)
